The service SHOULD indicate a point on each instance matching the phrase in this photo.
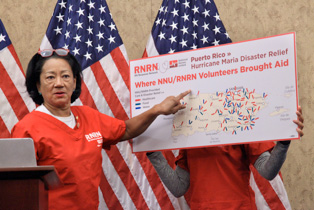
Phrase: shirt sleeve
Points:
(19, 131)
(181, 160)
(254, 150)
(112, 130)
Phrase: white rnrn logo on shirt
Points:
(95, 136)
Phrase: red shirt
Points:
(75, 153)
(219, 176)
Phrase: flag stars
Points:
(89, 43)
(186, 4)
(175, 12)
(163, 22)
(195, 9)
(99, 48)
(69, 21)
(111, 39)
(85, 27)
(174, 25)
(2, 38)
(60, 17)
(161, 9)
(216, 30)
(90, 18)
(66, 46)
(204, 39)
(206, 13)
(76, 51)
(58, 30)
(184, 30)
(195, 22)
(70, 8)
(183, 43)
(79, 25)
(216, 42)
(185, 17)
(157, 22)
(91, 5)
(161, 35)
(171, 51)
(194, 34)
(100, 35)
(166, 10)
(62, 4)
(80, 12)
(173, 38)
(67, 34)
(189, 26)
(217, 17)
(205, 26)
(194, 47)
(102, 9)
(77, 38)
(88, 56)
(112, 27)
(90, 30)
(227, 35)
(101, 22)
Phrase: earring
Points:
(39, 93)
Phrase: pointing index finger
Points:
(182, 95)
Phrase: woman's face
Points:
(57, 83)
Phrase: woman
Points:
(218, 177)
(71, 137)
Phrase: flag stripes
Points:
(121, 64)
(269, 191)
(116, 183)
(87, 96)
(127, 178)
(15, 101)
(109, 197)
(160, 193)
(108, 92)
(8, 117)
(11, 63)
(118, 85)
(10, 91)
(4, 132)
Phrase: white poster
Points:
(241, 92)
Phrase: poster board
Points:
(241, 93)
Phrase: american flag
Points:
(185, 25)
(87, 29)
(190, 24)
(14, 99)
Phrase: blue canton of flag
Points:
(86, 29)
(4, 38)
(185, 25)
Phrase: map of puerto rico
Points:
(233, 110)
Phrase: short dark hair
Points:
(34, 69)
